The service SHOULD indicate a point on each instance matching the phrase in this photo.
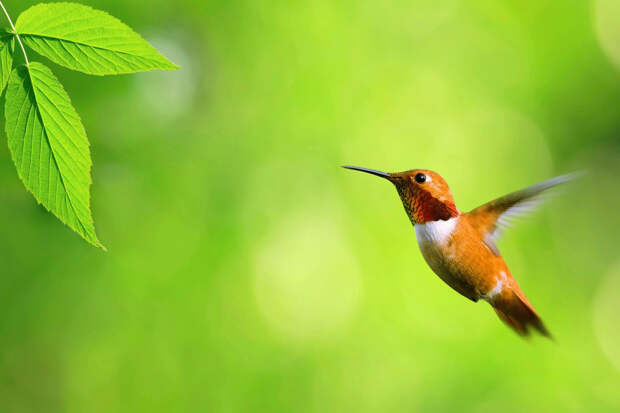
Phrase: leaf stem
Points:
(19, 40)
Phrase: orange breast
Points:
(465, 263)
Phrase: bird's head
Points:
(425, 194)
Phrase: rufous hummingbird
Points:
(460, 246)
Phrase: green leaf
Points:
(49, 146)
(7, 42)
(87, 40)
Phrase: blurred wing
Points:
(494, 217)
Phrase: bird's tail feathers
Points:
(516, 311)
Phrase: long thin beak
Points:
(369, 171)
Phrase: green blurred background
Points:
(248, 272)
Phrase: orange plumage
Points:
(460, 247)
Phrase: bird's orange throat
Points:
(421, 206)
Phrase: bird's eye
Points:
(420, 178)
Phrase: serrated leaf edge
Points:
(95, 241)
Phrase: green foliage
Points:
(49, 146)
(87, 40)
(46, 137)
(7, 43)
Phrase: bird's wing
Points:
(494, 217)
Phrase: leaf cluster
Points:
(46, 138)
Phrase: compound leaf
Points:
(49, 147)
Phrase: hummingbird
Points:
(460, 247)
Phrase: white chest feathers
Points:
(435, 232)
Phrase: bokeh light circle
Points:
(169, 94)
(607, 315)
(607, 26)
(478, 148)
(306, 278)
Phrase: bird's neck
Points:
(421, 206)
